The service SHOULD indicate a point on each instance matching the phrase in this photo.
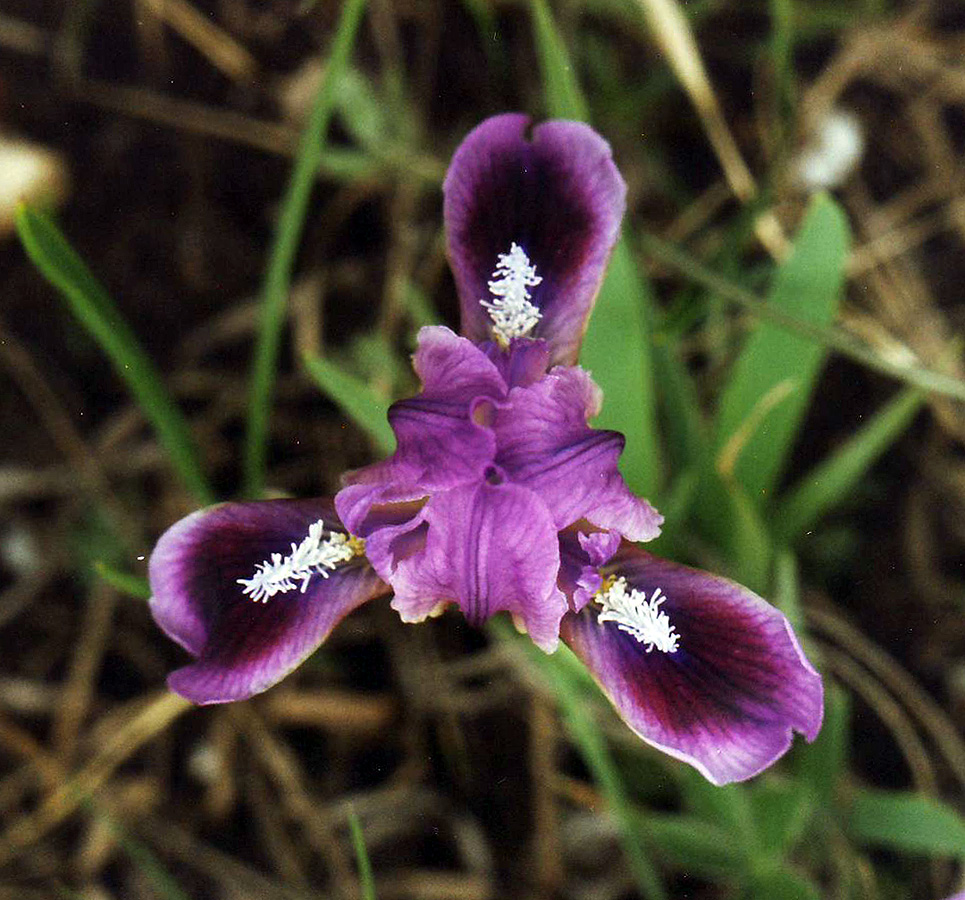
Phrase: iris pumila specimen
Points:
(500, 497)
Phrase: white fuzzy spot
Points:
(313, 556)
(637, 616)
(831, 154)
(510, 309)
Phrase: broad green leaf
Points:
(771, 385)
(831, 480)
(356, 399)
(618, 353)
(831, 338)
(821, 765)
(693, 845)
(287, 238)
(781, 813)
(50, 252)
(366, 880)
(560, 84)
(908, 822)
(617, 347)
(727, 807)
(681, 418)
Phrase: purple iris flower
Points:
(500, 497)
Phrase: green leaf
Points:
(781, 884)
(287, 238)
(132, 585)
(787, 588)
(617, 351)
(906, 821)
(361, 109)
(822, 765)
(366, 880)
(830, 338)
(772, 381)
(50, 252)
(356, 399)
(566, 675)
(617, 345)
(560, 84)
(727, 807)
(681, 417)
(142, 857)
(693, 845)
(781, 813)
(833, 479)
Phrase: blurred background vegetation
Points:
(247, 236)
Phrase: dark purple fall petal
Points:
(543, 442)
(728, 700)
(243, 647)
(486, 547)
(556, 193)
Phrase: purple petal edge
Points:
(729, 699)
(558, 195)
(243, 647)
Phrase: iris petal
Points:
(544, 443)
(243, 647)
(439, 443)
(728, 700)
(558, 195)
(486, 547)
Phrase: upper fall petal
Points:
(486, 547)
(439, 445)
(543, 442)
(728, 700)
(558, 195)
(243, 646)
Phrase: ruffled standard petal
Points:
(486, 547)
(243, 646)
(738, 685)
(439, 443)
(558, 195)
(545, 444)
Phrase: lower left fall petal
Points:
(241, 645)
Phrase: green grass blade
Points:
(617, 350)
(131, 585)
(783, 884)
(617, 346)
(142, 857)
(831, 338)
(356, 399)
(787, 588)
(560, 84)
(906, 821)
(559, 673)
(808, 286)
(824, 487)
(366, 879)
(287, 238)
(50, 252)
